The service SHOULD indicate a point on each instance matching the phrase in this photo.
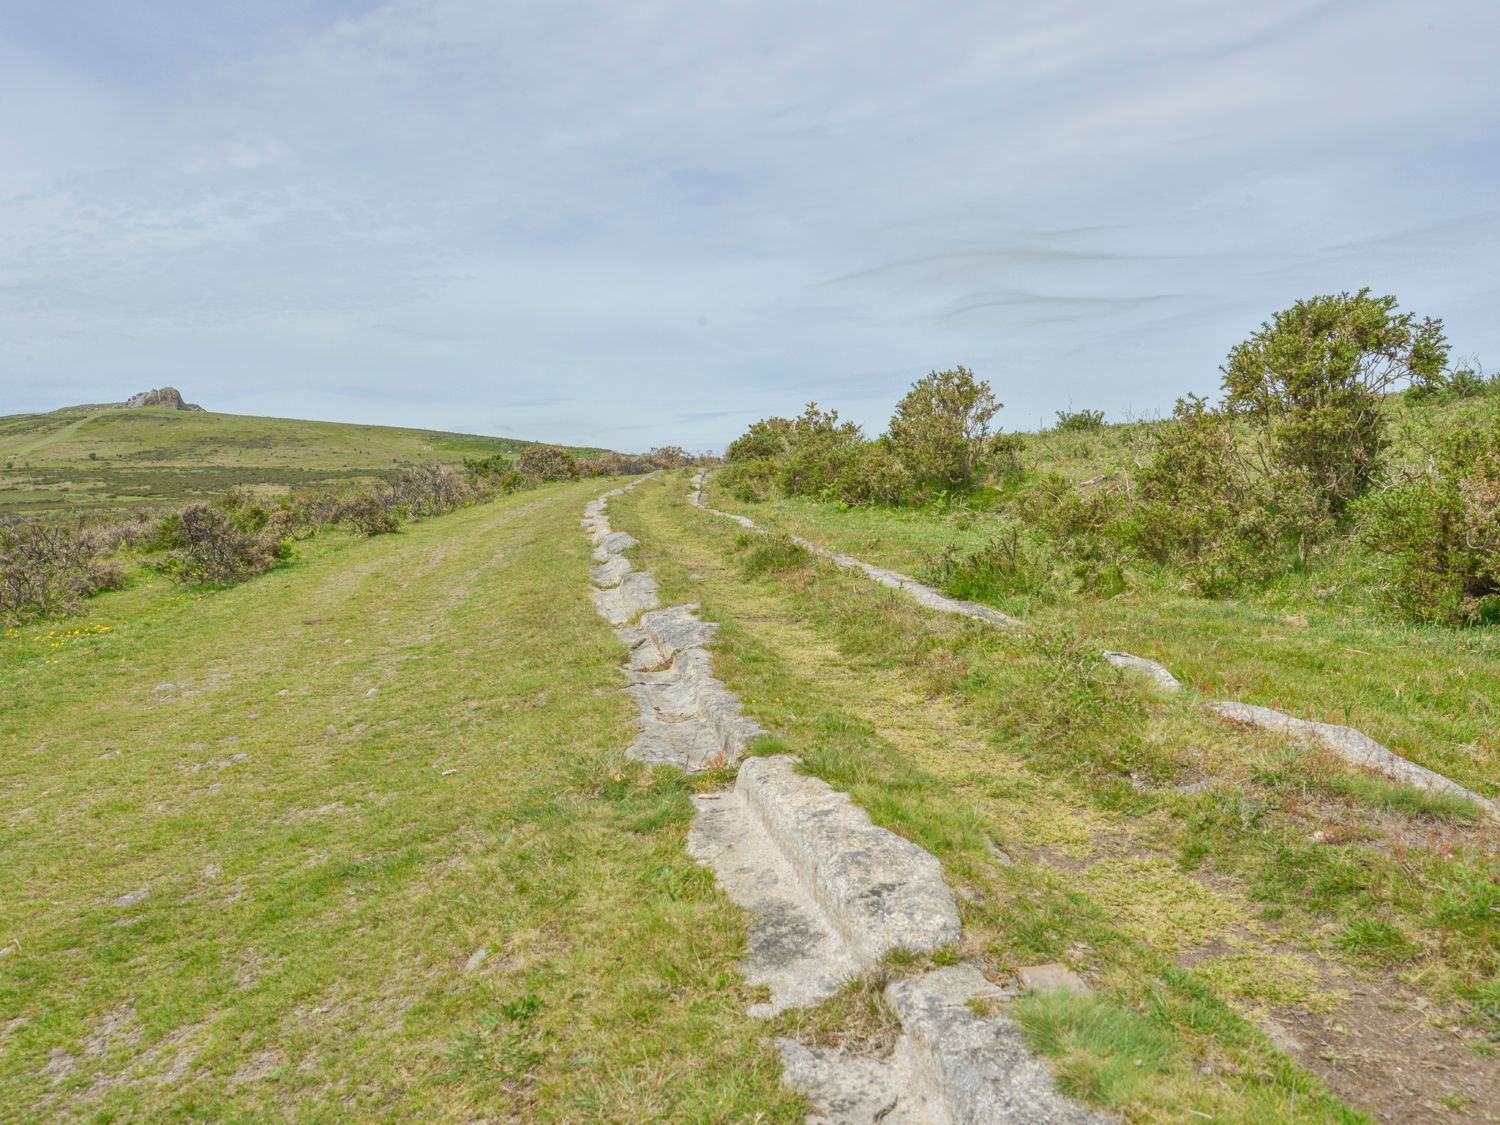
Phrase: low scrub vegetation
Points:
(1297, 467)
(49, 569)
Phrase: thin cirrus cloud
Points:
(655, 222)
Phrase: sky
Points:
(632, 224)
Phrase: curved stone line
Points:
(1353, 746)
(687, 718)
(921, 594)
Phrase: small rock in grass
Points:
(371, 693)
(132, 898)
(163, 689)
(476, 959)
(1052, 977)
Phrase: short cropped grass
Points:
(357, 840)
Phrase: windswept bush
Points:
(209, 546)
(369, 513)
(1313, 376)
(547, 463)
(48, 571)
(430, 489)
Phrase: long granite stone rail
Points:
(1352, 745)
(918, 592)
(688, 719)
(829, 894)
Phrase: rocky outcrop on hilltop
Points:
(164, 396)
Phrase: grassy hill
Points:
(91, 458)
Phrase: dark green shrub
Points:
(749, 480)
(820, 450)
(1313, 376)
(1200, 506)
(766, 440)
(488, 468)
(512, 480)
(1004, 456)
(1438, 529)
(871, 473)
(1069, 421)
(941, 428)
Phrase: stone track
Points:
(829, 894)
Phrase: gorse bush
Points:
(1312, 378)
(1201, 505)
(1075, 421)
(48, 571)
(939, 442)
(547, 463)
(1438, 532)
(941, 428)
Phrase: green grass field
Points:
(88, 459)
(357, 839)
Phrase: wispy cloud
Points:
(652, 222)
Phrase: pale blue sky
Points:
(633, 223)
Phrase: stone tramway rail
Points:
(1352, 745)
(828, 893)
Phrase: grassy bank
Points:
(1218, 892)
(1308, 645)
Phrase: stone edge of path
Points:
(917, 591)
(874, 891)
(1353, 745)
(687, 718)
